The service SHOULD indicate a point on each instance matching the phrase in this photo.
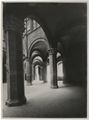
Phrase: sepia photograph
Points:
(44, 60)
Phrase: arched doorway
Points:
(60, 73)
(38, 72)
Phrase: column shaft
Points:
(15, 81)
(44, 73)
(29, 72)
(53, 68)
(33, 72)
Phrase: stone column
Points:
(15, 81)
(37, 73)
(44, 72)
(64, 71)
(40, 72)
(53, 68)
(33, 72)
(28, 72)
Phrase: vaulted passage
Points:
(45, 60)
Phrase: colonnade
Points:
(53, 69)
(31, 72)
(15, 83)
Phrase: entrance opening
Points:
(37, 72)
(60, 73)
(37, 66)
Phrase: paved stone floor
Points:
(43, 102)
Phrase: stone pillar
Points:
(15, 81)
(28, 72)
(41, 72)
(37, 73)
(33, 72)
(64, 71)
(44, 72)
(53, 68)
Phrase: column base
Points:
(44, 81)
(54, 87)
(12, 103)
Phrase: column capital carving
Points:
(52, 51)
(13, 23)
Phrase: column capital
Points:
(13, 23)
(52, 51)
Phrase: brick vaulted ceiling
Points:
(53, 14)
(63, 20)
